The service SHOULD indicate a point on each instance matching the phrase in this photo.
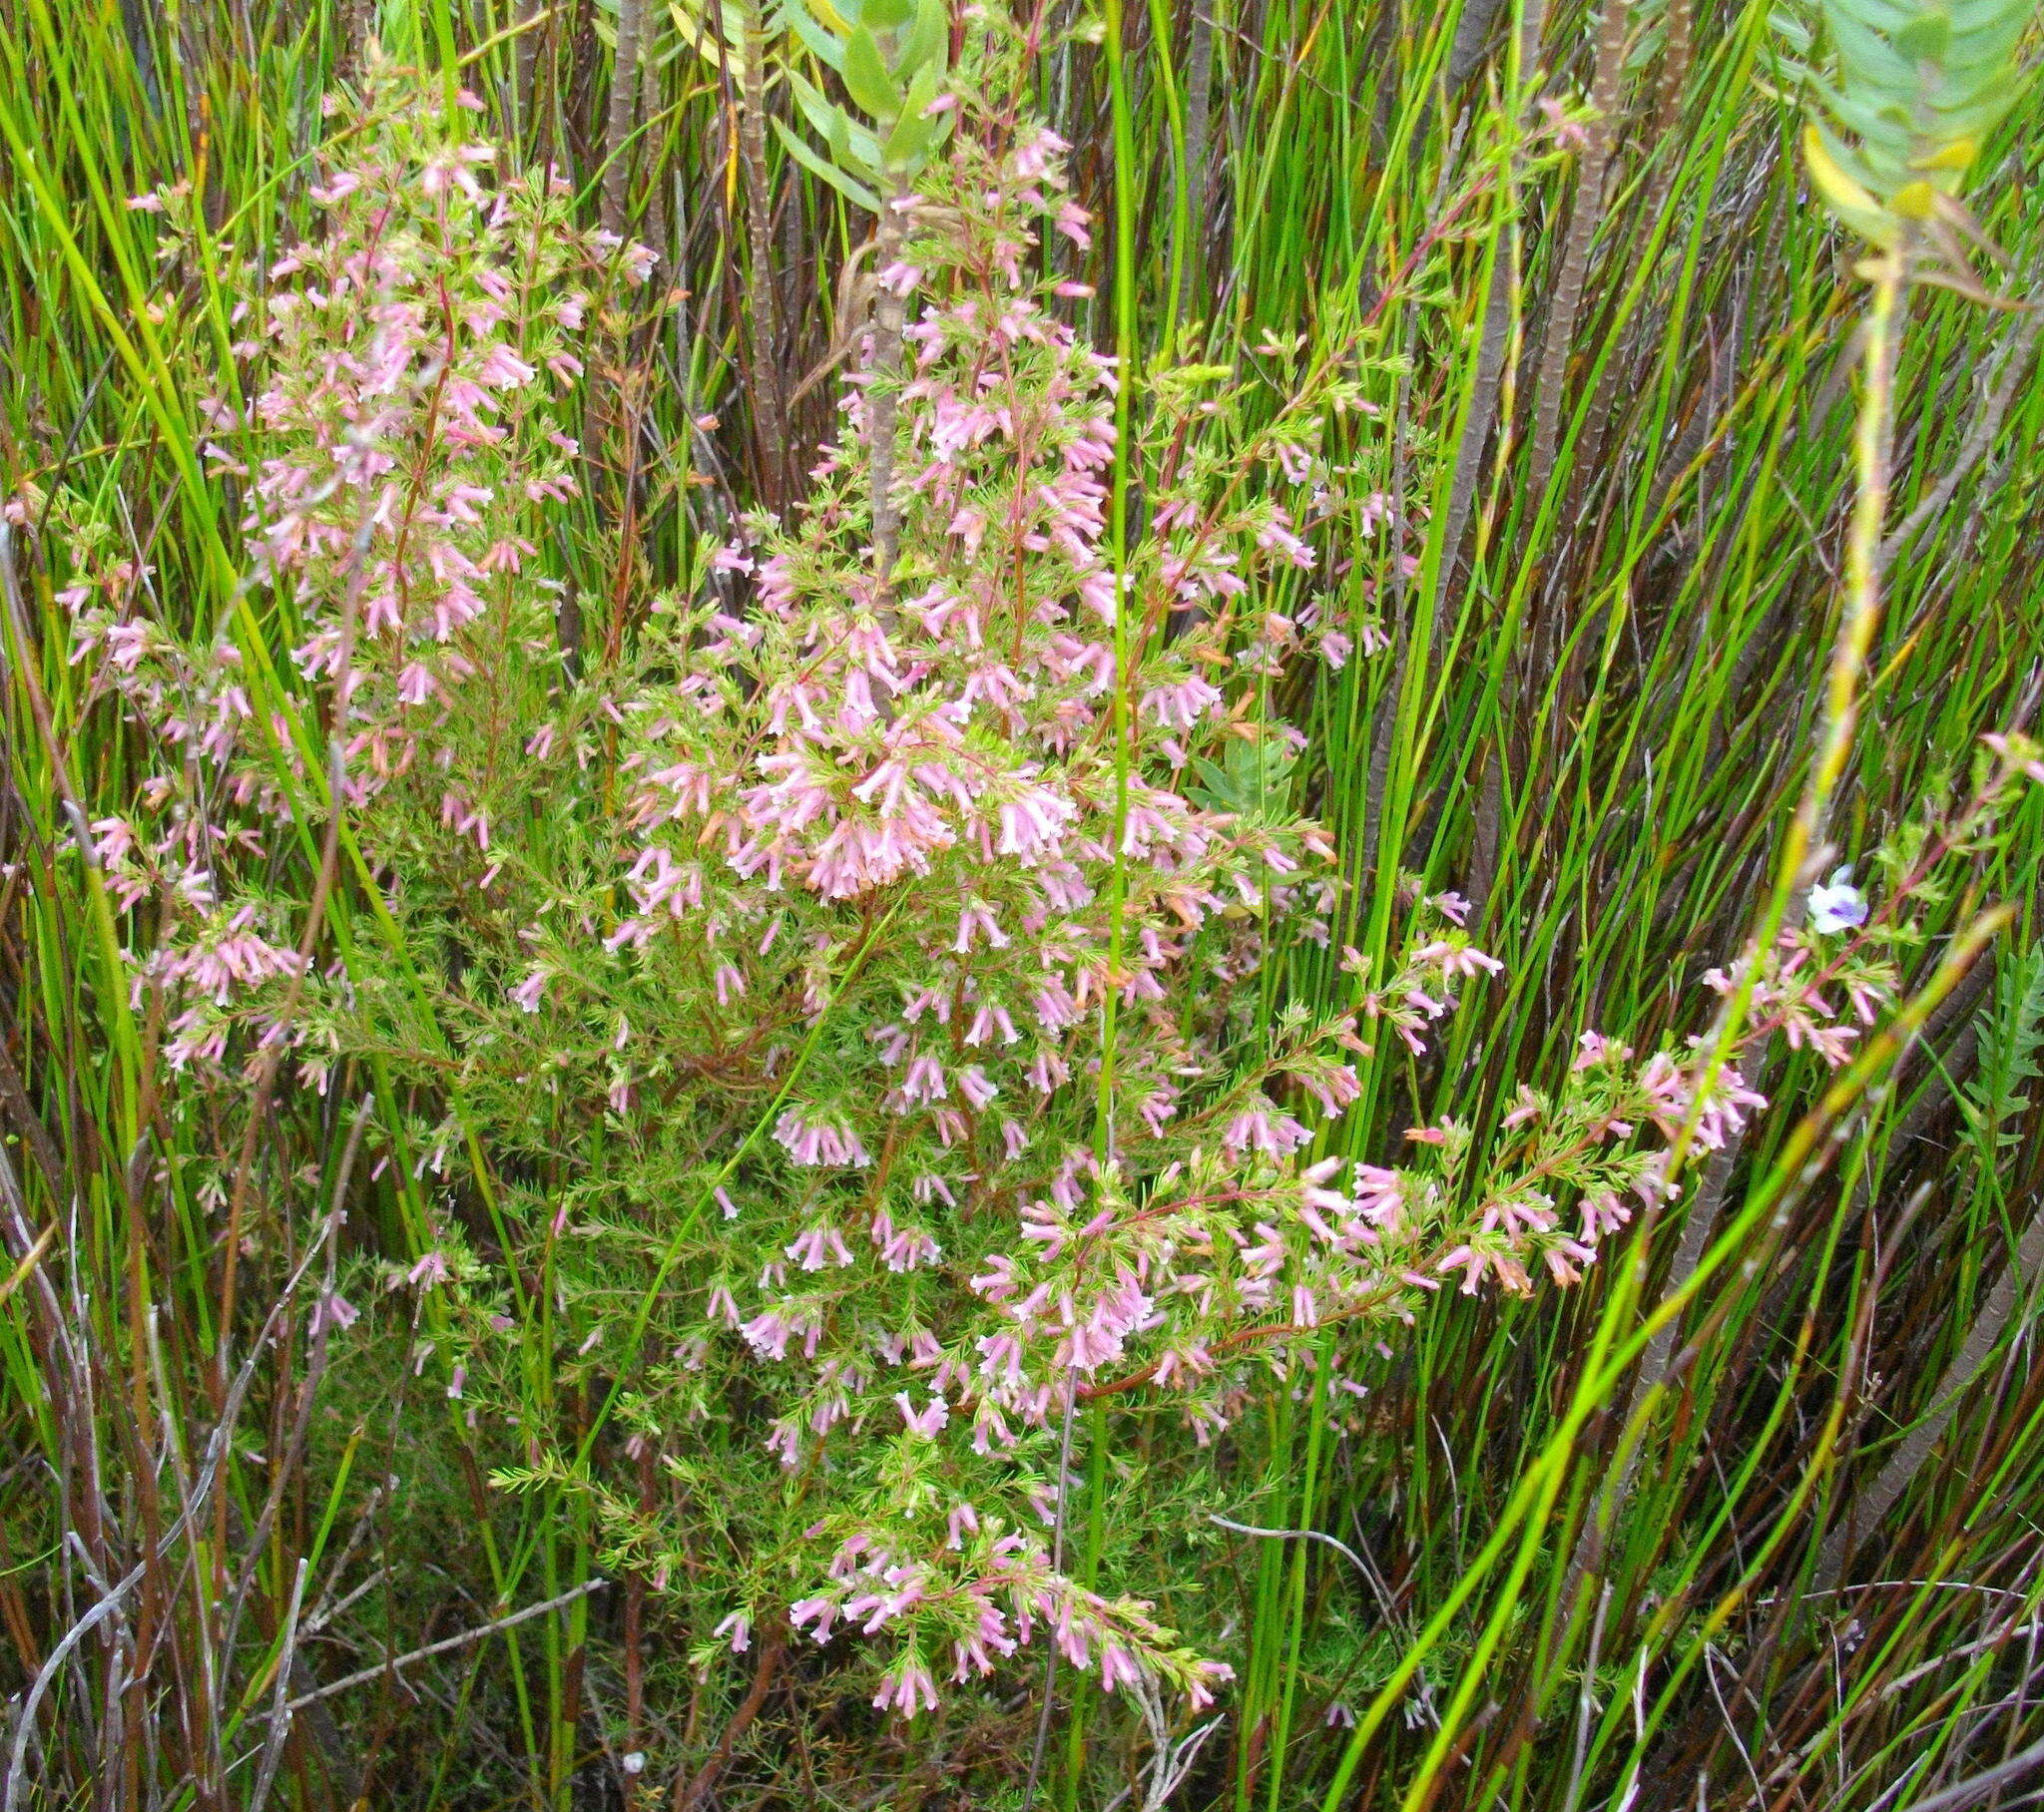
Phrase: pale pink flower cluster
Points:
(965, 1629)
(400, 443)
(1820, 998)
(409, 325)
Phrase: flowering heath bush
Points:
(824, 1018)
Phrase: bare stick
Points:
(2016, 362)
(1802, 847)
(215, 1451)
(363, 1677)
(1298, 1534)
(1970, 1792)
(280, 1709)
(1198, 107)
(1057, 1561)
(1867, 1512)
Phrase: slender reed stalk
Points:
(890, 315)
(1584, 215)
(775, 456)
(623, 99)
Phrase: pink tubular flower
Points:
(903, 1248)
(818, 1247)
(1118, 1668)
(333, 1310)
(819, 1142)
(431, 1269)
(906, 1689)
(924, 1424)
(1259, 1130)
(821, 1612)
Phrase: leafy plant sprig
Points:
(893, 58)
(1900, 123)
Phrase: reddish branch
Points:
(689, 1795)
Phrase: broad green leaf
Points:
(909, 143)
(847, 186)
(823, 44)
(930, 38)
(907, 146)
(866, 79)
(822, 113)
(1925, 38)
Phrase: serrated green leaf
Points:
(1254, 784)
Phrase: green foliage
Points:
(1917, 89)
(892, 57)
(2011, 1035)
(1253, 779)
(1604, 685)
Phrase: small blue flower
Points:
(1837, 905)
